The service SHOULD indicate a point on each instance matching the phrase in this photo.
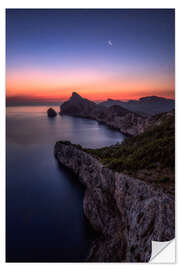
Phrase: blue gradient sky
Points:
(51, 53)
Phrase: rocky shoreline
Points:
(126, 213)
(127, 122)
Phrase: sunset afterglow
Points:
(52, 53)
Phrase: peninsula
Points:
(127, 122)
(129, 197)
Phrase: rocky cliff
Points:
(128, 122)
(115, 116)
(126, 213)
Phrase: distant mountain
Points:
(78, 106)
(115, 116)
(150, 105)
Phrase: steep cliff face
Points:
(116, 117)
(126, 213)
(128, 122)
(78, 106)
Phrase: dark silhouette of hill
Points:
(150, 105)
(131, 121)
(114, 116)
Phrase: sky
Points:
(113, 53)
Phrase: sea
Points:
(44, 200)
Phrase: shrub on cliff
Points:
(152, 150)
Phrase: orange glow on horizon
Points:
(91, 84)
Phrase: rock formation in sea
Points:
(51, 112)
(126, 213)
(118, 117)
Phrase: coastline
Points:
(98, 121)
(125, 212)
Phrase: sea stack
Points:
(51, 112)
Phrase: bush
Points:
(153, 149)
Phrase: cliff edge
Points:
(126, 213)
(115, 116)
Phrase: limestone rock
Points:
(118, 117)
(126, 213)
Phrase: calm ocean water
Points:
(45, 220)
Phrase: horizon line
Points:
(25, 101)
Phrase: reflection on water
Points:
(45, 219)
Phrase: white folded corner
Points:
(163, 252)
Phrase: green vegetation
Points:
(149, 156)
